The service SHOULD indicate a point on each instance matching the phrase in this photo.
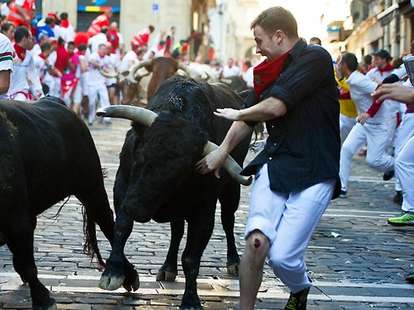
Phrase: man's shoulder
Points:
(5, 44)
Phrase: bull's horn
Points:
(139, 115)
(109, 74)
(138, 76)
(183, 67)
(231, 166)
(135, 68)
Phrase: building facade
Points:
(379, 24)
(187, 16)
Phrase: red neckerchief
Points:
(267, 72)
(41, 55)
(64, 23)
(387, 68)
(20, 51)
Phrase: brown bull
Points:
(161, 68)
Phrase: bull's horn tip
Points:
(100, 112)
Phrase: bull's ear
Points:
(138, 128)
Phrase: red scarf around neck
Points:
(387, 68)
(20, 51)
(267, 72)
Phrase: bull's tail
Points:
(91, 243)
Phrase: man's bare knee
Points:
(257, 243)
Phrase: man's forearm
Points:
(237, 132)
(265, 110)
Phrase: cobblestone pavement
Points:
(357, 261)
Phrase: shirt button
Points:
(270, 158)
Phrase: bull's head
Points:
(147, 117)
(164, 157)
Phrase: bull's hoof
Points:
(168, 276)
(191, 302)
(50, 306)
(111, 281)
(131, 282)
(233, 269)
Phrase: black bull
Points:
(157, 180)
(47, 154)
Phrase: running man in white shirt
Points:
(6, 65)
(96, 83)
(373, 131)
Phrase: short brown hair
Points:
(277, 18)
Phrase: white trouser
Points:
(345, 125)
(288, 221)
(54, 86)
(404, 169)
(404, 133)
(74, 95)
(376, 136)
(95, 91)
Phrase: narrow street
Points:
(356, 260)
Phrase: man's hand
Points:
(212, 162)
(396, 92)
(362, 118)
(231, 114)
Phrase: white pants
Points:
(95, 91)
(404, 169)
(288, 221)
(345, 125)
(376, 137)
(53, 83)
(404, 133)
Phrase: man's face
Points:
(71, 49)
(268, 45)
(27, 42)
(230, 62)
(340, 68)
(102, 51)
(379, 62)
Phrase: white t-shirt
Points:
(127, 62)
(361, 87)
(6, 58)
(233, 71)
(97, 40)
(94, 75)
(4, 10)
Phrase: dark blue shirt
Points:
(304, 145)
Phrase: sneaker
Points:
(406, 218)
(398, 198)
(410, 276)
(343, 194)
(297, 301)
(388, 175)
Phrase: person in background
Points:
(404, 162)
(100, 22)
(231, 69)
(6, 65)
(315, 41)
(66, 29)
(24, 84)
(8, 29)
(96, 83)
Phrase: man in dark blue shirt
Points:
(297, 173)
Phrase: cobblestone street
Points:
(356, 260)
